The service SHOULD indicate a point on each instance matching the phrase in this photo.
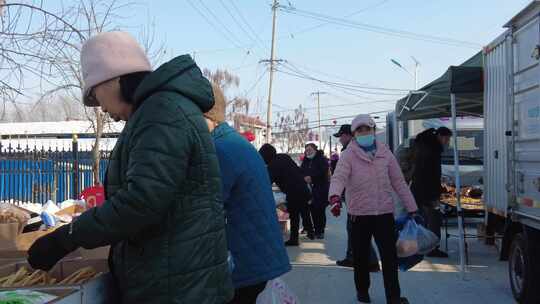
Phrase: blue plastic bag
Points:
(230, 262)
(407, 263)
(407, 243)
(427, 240)
(410, 228)
(48, 219)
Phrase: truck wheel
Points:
(521, 270)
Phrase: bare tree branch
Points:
(43, 46)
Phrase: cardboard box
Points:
(71, 210)
(8, 235)
(95, 254)
(99, 290)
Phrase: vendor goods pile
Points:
(471, 197)
(24, 278)
(10, 214)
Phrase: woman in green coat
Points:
(162, 216)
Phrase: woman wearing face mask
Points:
(370, 173)
(315, 168)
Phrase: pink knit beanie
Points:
(107, 56)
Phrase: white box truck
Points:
(512, 149)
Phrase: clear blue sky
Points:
(361, 56)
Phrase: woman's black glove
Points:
(51, 248)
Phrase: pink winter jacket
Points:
(369, 183)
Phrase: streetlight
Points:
(416, 68)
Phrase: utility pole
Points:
(416, 69)
(318, 93)
(275, 6)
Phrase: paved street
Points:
(316, 279)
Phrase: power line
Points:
(340, 89)
(224, 34)
(365, 103)
(249, 46)
(380, 29)
(247, 23)
(335, 85)
(340, 117)
(244, 66)
(325, 73)
(255, 83)
(355, 85)
(311, 28)
(248, 34)
(219, 21)
(223, 26)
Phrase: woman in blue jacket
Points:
(253, 233)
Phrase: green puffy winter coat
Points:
(162, 214)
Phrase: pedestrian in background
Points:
(315, 168)
(289, 178)
(253, 233)
(345, 137)
(405, 156)
(370, 173)
(426, 178)
(162, 215)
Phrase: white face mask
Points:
(310, 155)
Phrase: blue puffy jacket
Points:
(253, 234)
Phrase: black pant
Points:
(296, 208)
(381, 227)
(318, 214)
(373, 259)
(248, 294)
(433, 217)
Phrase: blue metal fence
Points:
(38, 176)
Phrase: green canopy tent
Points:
(433, 100)
(458, 92)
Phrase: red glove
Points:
(335, 205)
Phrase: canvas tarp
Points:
(433, 100)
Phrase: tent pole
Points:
(458, 188)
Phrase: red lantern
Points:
(249, 136)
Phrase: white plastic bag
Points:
(427, 240)
(50, 207)
(230, 262)
(407, 243)
(277, 292)
(280, 198)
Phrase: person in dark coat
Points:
(162, 216)
(289, 178)
(253, 234)
(405, 156)
(315, 169)
(426, 178)
(345, 136)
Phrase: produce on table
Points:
(25, 278)
(79, 277)
(25, 297)
(471, 197)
